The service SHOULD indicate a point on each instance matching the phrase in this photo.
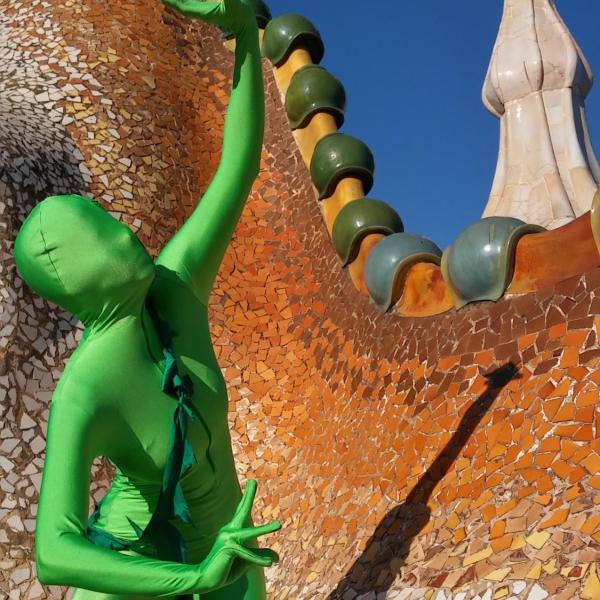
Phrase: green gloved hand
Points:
(230, 557)
(230, 15)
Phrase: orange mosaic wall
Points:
(452, 457)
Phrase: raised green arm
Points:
(64, 556)
(195, 252)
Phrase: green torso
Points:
(139, 417)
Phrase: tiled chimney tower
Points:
(536, 85)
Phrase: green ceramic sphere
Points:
(288, 32)
(312, 90)
(338, 155)
(358, 219)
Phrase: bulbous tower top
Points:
(534, 51)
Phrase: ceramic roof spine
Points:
(358, 219)
(293, 45)
(313, 90)
(480, 263)
(302, 53)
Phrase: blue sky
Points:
(413, 71)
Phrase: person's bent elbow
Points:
(47, 571)
(50, 563)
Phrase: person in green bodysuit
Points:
(143, 388)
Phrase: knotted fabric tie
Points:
(182, 456)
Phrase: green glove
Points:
(231, 15)
(230, 557)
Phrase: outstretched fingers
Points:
(244, 508)
(263, 557)
(253, 532)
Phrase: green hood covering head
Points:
(72, 252)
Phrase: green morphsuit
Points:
(144, 388)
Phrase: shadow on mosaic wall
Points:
(387, 549)
(37, 159)
(37, 156)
